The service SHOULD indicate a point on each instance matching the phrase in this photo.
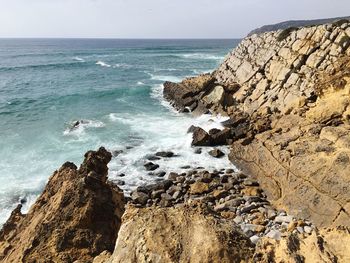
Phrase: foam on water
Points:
(103, 64)
(78, 130)
(79, 59)
(202, 56)
(162, 133)
(122, 65)
(123, 109)
(165, 77)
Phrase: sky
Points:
(155, 18)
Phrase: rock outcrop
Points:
(76, 218)
(327, 245)
(178, 234)
(287, 96)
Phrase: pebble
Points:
(238, 220)
(254, 239)
(283, 219)
(308, 229)
(225, 196)
(151, 166)
(300, 229)
(274, 234)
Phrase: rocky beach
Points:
(285, 96)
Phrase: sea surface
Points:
(115, 87)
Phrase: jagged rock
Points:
(216, 96)
(184, 95)
(140, 197)
(77, 217)
(220, 137)
(328, 245)
(200, 137)
(199, 237)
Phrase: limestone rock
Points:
(77, 217)
(329, 245)
(216, 96)
(148, 235)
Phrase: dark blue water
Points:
(115, 86)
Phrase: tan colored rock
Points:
(178, 235)
(199, 188)
(329, 245)
(76, 217)
(216, 96)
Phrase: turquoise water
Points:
(115, 86)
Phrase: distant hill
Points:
(295, 23)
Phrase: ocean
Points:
(114, 87)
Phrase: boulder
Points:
(220, 137)
(200, 137)
(215, 97)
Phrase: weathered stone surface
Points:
(148, 235)
(328, 245)
(306, 167)
(77, 217)
(216, 96)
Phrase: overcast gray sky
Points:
(155, 18)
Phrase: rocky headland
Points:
(286, 96)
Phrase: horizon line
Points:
(132, 38)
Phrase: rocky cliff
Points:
(287, 96)
(76, 217)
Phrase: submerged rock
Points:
(216, 153)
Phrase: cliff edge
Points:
(77, 216)
(287, 96)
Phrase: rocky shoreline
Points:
(286, 96)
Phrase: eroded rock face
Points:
(76, 217)
(303, 162)
(328, 245)
(182, 234)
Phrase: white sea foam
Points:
(140, 83)
(163, 133)
(165, 77)
(122, 65)
(203, 71)
(202, 56)
(103, 64)
(157, 93)
(79, 59)
(79, 129)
